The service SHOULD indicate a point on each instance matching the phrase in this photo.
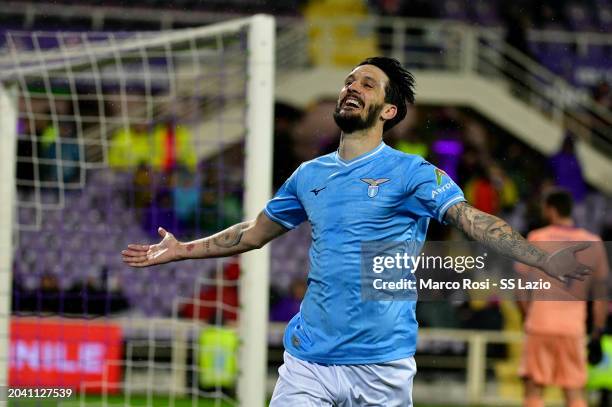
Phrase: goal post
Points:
(8, 138)
(104, 137)
(258, 182)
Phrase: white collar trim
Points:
(360, 158)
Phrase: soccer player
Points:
(341, 350)
(554, 350)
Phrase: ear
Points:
(388, 112)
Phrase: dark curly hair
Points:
(399, 90)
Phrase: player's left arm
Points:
(499, 236)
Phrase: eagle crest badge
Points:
(374, 185)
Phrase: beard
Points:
(351, 122)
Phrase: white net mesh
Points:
(118, 134)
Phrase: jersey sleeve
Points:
(431, 191)
(285, 207)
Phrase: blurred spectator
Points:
(285, 119)
(58, 146)
(129, 147)
(567, 171)
(288, 306)
(481, 193)
(556, 320)
(213, 301)
(185, 195)
(66, 158)
(505, 187)
(172, 146)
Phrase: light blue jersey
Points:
(383, 195)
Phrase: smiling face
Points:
(361, 103)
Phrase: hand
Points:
(562, 264)
(137, 255)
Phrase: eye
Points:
(369, 86)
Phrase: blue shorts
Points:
(302, 383)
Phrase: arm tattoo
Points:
(231, 236)
(494, 233)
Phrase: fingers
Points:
(162, 232)
(139, 247)
(580, 246)
(135, 252)
(135, 256)
(580, 273)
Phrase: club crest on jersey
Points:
(374, 185)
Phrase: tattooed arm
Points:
(239, 238)
(498, 235)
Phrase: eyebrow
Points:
(367, 78)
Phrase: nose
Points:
(353, 87)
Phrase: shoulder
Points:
(404, 159)
(587, 236)
(541, 234)
(317, 163)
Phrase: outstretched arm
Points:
(236, 239)
(498, 235)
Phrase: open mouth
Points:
(351, 103)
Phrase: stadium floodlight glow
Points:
(73, 105)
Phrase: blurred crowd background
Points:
(158, 176)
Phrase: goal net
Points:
(104, 137)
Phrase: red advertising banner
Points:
(65, 354)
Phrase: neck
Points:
(360, 142)
(563, 222)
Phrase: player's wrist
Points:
(181, 252)
(545, 262)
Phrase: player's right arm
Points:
(236, 239)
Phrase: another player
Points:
(341, 350)
(554, 352)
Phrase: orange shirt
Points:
(566, 318)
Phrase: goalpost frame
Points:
(255, 265)
(254, 281)
(8, 159)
